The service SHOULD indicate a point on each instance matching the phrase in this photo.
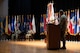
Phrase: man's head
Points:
(61, 12)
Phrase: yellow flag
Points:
(6, 27)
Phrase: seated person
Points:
(29, 34)
(13, 35)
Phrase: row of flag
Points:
(25, 23)
(22, 23)
(73, 19)
(43, 23)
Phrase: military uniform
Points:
(63, 27)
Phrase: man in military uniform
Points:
(63, 27)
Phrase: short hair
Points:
(61, 11)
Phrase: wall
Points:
(3, 7)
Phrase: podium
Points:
(53, 37)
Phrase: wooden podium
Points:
(53, 36)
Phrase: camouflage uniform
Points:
(63, 26)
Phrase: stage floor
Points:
(37, 46)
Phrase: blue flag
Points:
(25, 21)
(12, 24)
(41, 24)
(75, 23)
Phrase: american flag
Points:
(50, 12)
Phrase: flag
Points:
(1, 28)
(15, 24)
(70, 28)
(68, 22)
(9, 27)
(12, 24)
(22, 24)
(47, 19)
(75, 22)
(45, 23)
(6, 27)
(41, 24)
(71, 25)
(18, 22)
(78, 21)
(33, 25)
(66, 13)
(25, 21)
(50, 12)
(30, 23)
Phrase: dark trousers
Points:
(63, 38)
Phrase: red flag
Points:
(70, 27)
(9, 29)
(30, 23)
(44, 23)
